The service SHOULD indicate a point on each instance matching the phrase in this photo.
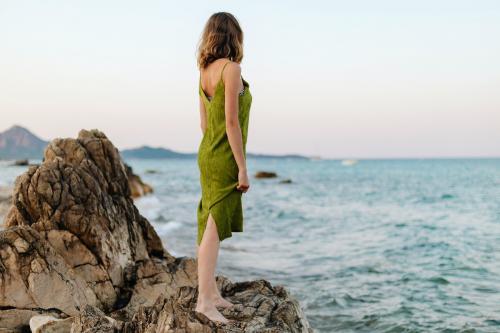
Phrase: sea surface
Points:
(379, 246)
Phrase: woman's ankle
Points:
(207, 299)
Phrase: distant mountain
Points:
(147, 152)
(19, 143)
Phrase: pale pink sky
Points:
(328, 78)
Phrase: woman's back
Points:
(211, 76)
(215, 137)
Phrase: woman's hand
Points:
(243, 183)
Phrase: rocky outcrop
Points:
(259, 307)
(137, 187)
(78, 200)
(76, 248)
(265, 174)
(23, 162)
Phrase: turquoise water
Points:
(381, 246)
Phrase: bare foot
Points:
(212, 313)
(223, 303)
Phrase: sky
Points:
(336, 79)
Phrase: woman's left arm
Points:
(232, 83)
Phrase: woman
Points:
(224, 110)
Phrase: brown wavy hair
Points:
(222, 37)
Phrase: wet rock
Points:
(23, 162)
(76, 247)
(265, 174)
(286, 181)
(137, 187)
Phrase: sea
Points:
(388, 246)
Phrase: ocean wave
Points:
(149, 206)
(165, 228)
(386, 246)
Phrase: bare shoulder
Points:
(233, 71)
(234, 66)
(232, 75)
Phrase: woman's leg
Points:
(207, 260)
(219, 300)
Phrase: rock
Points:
(76, 248)
(17, 320)
(92, 319)
(49, 324)
(137, 187)
(152, 171)
(79, 201)
(259, 307)
(33, 272)
(286, 181)
(23, 162)
(265, 174)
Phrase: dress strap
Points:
(222, 71)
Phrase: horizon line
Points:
(318, 157)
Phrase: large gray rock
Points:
(78, 199)
(137, 187)
(259, 307)
(50, 324)
(34, 276)
(75, 246)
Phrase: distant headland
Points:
(18, 142)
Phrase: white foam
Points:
(164, 228)
(149, 206)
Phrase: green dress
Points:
(217, 165)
